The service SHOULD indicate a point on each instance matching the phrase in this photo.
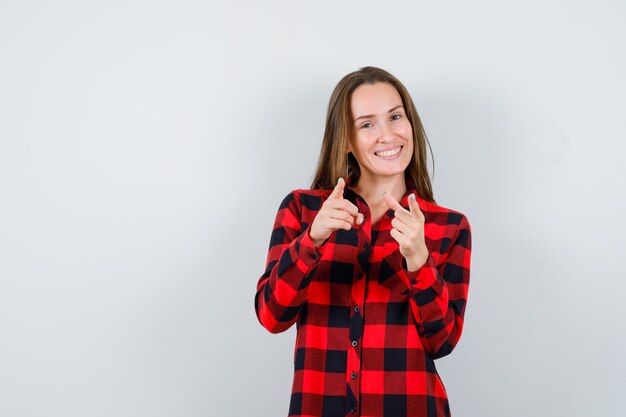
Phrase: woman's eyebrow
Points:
(367, 116)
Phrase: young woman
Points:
(373, 272)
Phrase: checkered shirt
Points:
(368, 330)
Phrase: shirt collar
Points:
(404, 201)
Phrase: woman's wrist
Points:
(413, 264)
(316, 242)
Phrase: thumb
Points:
(338, 190)
(414, 207)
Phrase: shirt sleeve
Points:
(439, 293)
(291, 262)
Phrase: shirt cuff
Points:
(307, 251)
(422, 278)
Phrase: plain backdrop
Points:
(145, 147)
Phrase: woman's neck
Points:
(371, 189)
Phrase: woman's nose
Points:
(385, 133)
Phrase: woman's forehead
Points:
(373, 99)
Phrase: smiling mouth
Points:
(390, 153)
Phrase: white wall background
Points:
(145, 148)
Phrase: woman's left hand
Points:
(408, 231)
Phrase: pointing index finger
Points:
(392, 202)
(338, 190)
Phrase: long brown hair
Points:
(332, 160)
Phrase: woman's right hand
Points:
(335, 213)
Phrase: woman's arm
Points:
(291, 262)
(439, 293)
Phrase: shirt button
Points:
(313, 256)
(354, 343)
(413, 281)
(356, 309)
(353, 410)
(353, 375)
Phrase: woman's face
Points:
(382, 139)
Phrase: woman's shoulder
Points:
(443, 215)
(311, 200)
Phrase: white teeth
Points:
(388, 153)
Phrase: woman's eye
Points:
(395, 117)
(366, 125)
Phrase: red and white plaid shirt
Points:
(368, 330)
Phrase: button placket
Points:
(353, 369)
